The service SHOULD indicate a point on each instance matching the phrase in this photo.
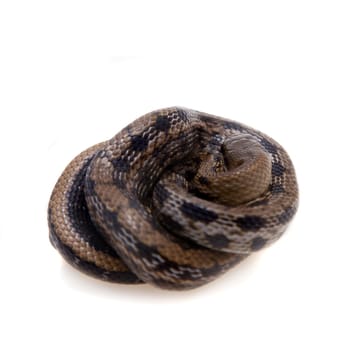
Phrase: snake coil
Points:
(175, 199)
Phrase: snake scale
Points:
(175, 199)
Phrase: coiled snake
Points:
(175, 199)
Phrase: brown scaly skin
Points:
(174, 199)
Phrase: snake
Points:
(175, 199)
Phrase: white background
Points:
(72, 73)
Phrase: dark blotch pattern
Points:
(111, 218)
(161, 193)
(139, 143)
(167, 222)
(286, 215)
(189, 175)
(257, 243)
(203, 180)
(277, 169)
(78, 212)
(197, 213)
(121, 164)
(276, 188)
(251, 223)
(89, 185)
(162, 124)
(268, 146)
(205, 196)
(218, 241)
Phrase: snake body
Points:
(175, 199)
